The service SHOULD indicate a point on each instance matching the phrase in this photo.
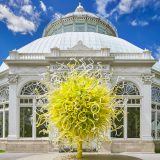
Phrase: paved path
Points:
(54, 156)
(145, 156)
(14, 156)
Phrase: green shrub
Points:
(157, 150)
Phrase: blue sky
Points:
(22, 21)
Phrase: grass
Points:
(2, 151)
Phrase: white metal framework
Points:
(4, 111)
(33, 88)
(29, 106)
(156, 94)
(156, 112)
(131, 122)
(127, 88)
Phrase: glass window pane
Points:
(91, 28)
(68, 28)
(158, 125)
(6, 123)
(1, 106)
(80, 27)
(133, 101)
(31, 101)
(6, 105)
(133, 119)
(153, 106)
(26, 122)
(1, 124)
(137, 101)
(129, 101)
(26, 101)
(153, 124)
(119, 133)
(101, 30)
(21, 100)
(40, 129)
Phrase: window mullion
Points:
(156, 123)
(34, 119)
(3, 120)
(125, 123)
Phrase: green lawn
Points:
(2, 151)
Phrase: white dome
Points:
(156, 66)
(3, 66)
(68, 40)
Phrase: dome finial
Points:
(80, 8)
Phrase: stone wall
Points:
(117, 146)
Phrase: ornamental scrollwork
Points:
(34, 88)
(156, 94)
(147, 78)
(127, 88)
(4, 94)
(13, 78)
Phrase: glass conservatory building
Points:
(80, 34)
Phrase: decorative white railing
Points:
(130, 56)
(14, 55)
(31, 56)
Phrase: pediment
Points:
(80, 46)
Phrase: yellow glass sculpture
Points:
(80, 104)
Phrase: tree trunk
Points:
(79, 150)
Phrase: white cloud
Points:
(139, 23)
(156, 17)
(157, 52)
(128, 6)
(57, 15)
(16, 23)
(158, 49)
(101, 7)
(28, 9)
(122, 7)
(17, 3)
(43, 6)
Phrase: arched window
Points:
(29, 107)
(4, 111)
(131, 122)
(127, 88)
(156, 112)
(34, 88)
(156, 94)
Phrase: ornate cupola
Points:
(80, 21)
(79, 8)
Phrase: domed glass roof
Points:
(80, 21)
(68, 40)
(156, 66)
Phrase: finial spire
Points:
(80, 8)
